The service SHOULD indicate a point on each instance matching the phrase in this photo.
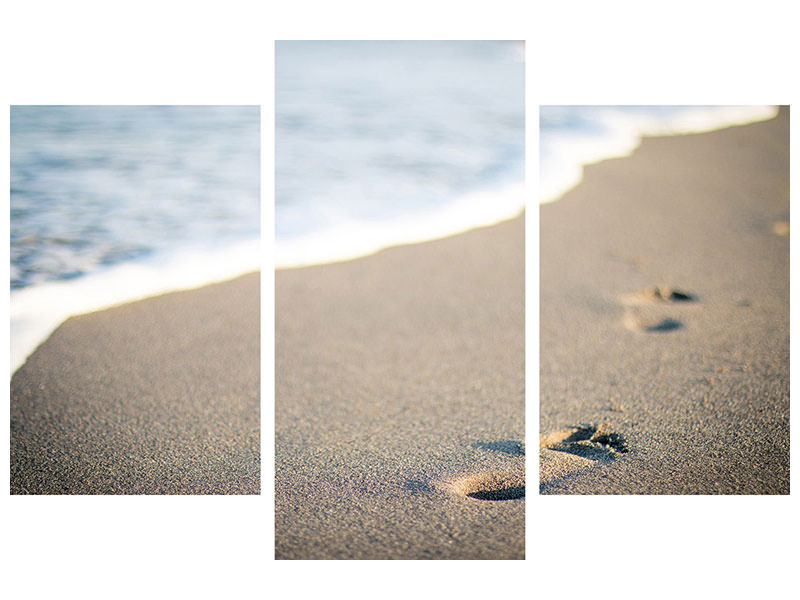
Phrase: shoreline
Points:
(158, 396)
(664, 319)
(37, 310)
(559, 176)
(354, 241)
(399, 407)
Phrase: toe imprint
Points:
(597, 442)
(657, 294)
(570, 450)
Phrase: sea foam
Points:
(350, 239)
(574, 136)
(36, 311)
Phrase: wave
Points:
(349, 239)
(574, 136)
(36, 311)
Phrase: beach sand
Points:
(159, 396)
(399, 408)
(664, 307)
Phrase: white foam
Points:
(36, 311)
(564, 153)
(353, 239)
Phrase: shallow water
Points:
(114, 203)
(382, 143)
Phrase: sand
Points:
(664, 317)
(159, 396)
(399, 406)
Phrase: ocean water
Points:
(573, 136)
(385, 143)
(115, 203)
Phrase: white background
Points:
(612, 52)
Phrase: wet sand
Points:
(664, 307)
(159, 396)
(399, 408)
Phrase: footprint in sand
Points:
(492, 485)
(649, 310)
(564, 452)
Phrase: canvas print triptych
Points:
(400, 202)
